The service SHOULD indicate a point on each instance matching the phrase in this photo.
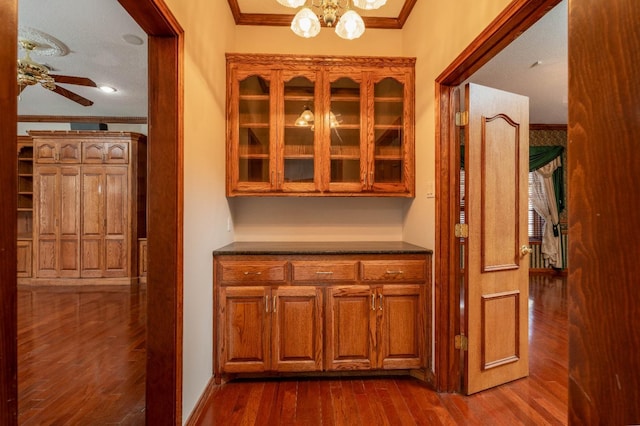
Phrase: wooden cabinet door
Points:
(57, 191)
(390, 164)
(345, 166)
(402, 330)
(105, 153)
(251, 131)
(298, 163)
(24, 251)
(350, 328)
(244, 326)
(296, 335)
(104, 221)
(57, 152)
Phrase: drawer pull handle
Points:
(254, 273)
(380, 307)
(324, 272)
(373, 302)
(266, 303)
(395, 272)
(275, 303)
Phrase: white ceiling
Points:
(93, 31)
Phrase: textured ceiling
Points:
(93, 31)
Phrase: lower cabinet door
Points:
(351, 328)
(402, 331)
(296, 334)
(244, 329)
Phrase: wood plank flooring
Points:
(81, 355)
(540, 399)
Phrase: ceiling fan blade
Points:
(73, 96)
(67, 79)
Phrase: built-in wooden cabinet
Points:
(89, 209)
(25, 207)
(320, 126)
(316, 309)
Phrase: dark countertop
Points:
(324, 247)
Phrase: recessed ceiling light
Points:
(132, 39)
(107, 89)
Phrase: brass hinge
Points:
(461, 342)
(462, 118)
(461, 230)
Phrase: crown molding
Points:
(280, 20)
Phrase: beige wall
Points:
(208, 34)
(436, 33)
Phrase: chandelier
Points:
(348, 23)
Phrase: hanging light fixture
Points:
(349, 25)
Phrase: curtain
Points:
(543, 198)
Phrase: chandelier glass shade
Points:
(306, 119)
(334, 13)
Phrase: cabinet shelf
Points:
(254, 156)
(395, 99)
(254, 98)
(254, 125)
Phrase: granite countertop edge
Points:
(321, 247)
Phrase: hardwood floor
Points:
(81, 355)
(539, 399)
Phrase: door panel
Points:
(402, 330)
(297, 329)
(497, 276)
(351, 328)
(92, 221)
(244, 329)
(115, 215)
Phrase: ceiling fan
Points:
(31, 73)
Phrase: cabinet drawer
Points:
(232, 271)
(321, 270)
(394, 270)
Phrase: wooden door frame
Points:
(165, 195)
(516, 18)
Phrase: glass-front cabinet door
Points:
(388, 151)
(250, 163)
(344, 126)
(297, 169)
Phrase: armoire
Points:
(81, 207)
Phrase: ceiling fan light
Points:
(350, 25)
(107, 89)
(369, 4)
(292, 3)
(305, 23)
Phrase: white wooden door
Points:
(497, 273)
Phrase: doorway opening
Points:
(502, 31)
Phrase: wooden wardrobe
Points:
(89, 206)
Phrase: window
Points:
(536, 222)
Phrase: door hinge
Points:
(461, 230)
(462, 118)
(461, 342)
